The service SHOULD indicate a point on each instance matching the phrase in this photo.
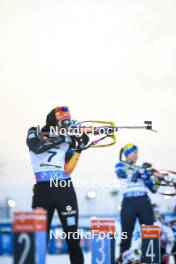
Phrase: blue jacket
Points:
(135, 174)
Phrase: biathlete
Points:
(55, 159)
(167, 236)
(135, 180)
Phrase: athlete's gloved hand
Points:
(147, 170)
(82, 141)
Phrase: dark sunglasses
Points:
(65, 122)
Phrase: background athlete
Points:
(136, 203)
(167, 236)
(55, 158)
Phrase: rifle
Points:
(92, 128)
(105, 129)
(162, 177)
(168, 180)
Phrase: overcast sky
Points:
(107, 60)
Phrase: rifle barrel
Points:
(134, 127)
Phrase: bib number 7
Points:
(53, 153)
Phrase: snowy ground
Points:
(51, 259)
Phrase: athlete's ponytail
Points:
(120, 154)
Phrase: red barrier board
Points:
(29, 221)
(150, 231)
(103, 225)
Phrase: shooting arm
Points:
(146, 177)
(38, 145)
(70, 165)
(74, 152)
(71, 158)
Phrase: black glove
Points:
(146, 165)
(81, 142)
(148, 170)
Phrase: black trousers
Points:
(62, 199)
(133, 208)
